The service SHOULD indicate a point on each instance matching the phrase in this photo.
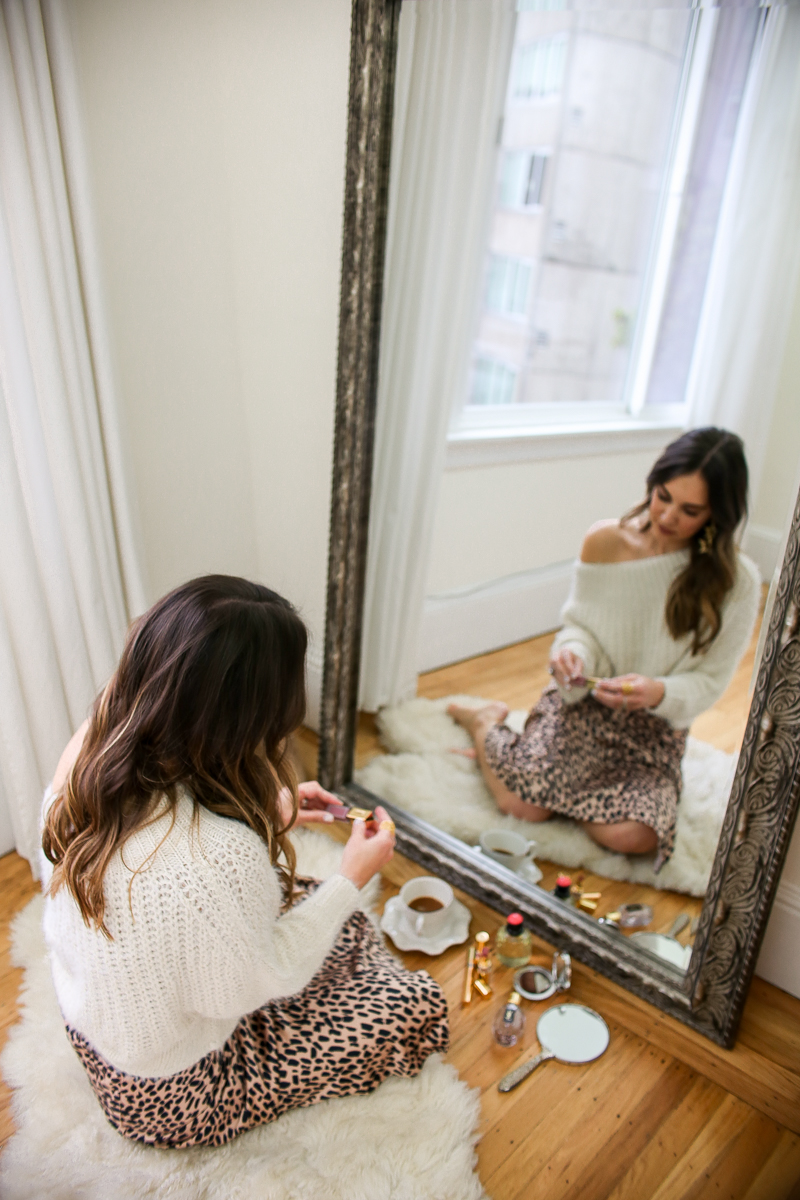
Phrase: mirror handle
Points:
(521, 1072)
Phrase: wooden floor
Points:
(664, 1113)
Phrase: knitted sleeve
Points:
(237, 951)
(578, 637)
(699, 680)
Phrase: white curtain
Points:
(69, 580)
(756, 261)
(452, 71)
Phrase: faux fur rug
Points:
(412, 1139)
(421, 775)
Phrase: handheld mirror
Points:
(569, 1032)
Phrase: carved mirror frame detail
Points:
(766, 789)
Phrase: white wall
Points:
(779, 961)
(216, 140)
(504, 541)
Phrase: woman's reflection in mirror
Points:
(661, 609)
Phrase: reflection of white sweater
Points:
(614, 620)
(197, 942)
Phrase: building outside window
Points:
(598, 175)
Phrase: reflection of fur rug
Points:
(421, 776)
(412, 1138)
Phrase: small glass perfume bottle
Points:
(509, 1024)
(514, 942)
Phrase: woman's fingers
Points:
(312, 795)
(567, 668)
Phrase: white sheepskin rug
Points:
(424, 777)
(412, 1139)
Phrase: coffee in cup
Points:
(506, 847)
(428, 903)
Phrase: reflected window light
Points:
(541, 5)
(539, 68)
(522, 180)
(492, 382)
(509, 282)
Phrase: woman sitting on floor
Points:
(661, 610)
(205, 987)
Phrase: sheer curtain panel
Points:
(69, 580)
(756, 260)
(451, 75)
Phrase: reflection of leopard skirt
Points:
(362, 1018)
(594, 763)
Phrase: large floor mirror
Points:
(534, 198)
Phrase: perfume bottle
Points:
(514, 942)
(509, 1024)
(563, 888)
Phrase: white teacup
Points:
(419, 896)
(504, 846)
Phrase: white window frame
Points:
(520, 432)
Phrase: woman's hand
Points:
(313, 807)
(567, 669)
(629, 692)
(367, 850)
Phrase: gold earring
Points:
(707, 538)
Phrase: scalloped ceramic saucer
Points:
(399, 928)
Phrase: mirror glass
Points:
(573, 1033)
(558, 191)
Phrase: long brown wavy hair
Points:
(209, 686)
(694, 602)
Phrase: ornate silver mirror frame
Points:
(766, 790)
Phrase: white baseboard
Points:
(763, 545)
(457, 625)
(779, 960)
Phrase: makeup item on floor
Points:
(535, 982)
(669, 949)
(510, 849)
(610, 920)
(468, 978)
(587, 900)
(428, 901)
(509, 1023)
(483, 964)
(562, 890)
(513, 942)
(678, 925)
(571, 1033)
(631, 916)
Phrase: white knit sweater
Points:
(197, 942)
(614, 620)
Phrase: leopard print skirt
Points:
(594, 763)
(362, 1018)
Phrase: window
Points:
(509, 280)
(492, 382)
(614, 148)
(523, 178)
(539, 68)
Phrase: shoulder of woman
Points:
(70, 753)
(603, 542)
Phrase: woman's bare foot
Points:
(478, 720)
